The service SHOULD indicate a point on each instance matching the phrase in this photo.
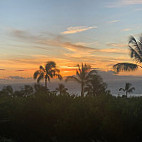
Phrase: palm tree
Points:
(82, 75)
(61, 89)
(127, 89)
(135, 47)
(47, 72)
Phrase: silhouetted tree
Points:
(135, 47)
(28, 90)
(95, 85)
(127, 89)
(7, 90)
(82, 75)
(62, 89)
(47, 72)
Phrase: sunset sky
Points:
(68, 32)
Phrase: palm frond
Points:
(49, 65)
(36, 74)
(131, 90)
(52, 73)
(127, 86)
(72, 78)
(78, 73)
(57, 70)
(121, 89)
(136, 55)
(92, 72)
(133, 41)
(79, 70)
(125, 67)
(135, 52)
(42, 68)
(87, 67)
(41, 76)
(59, 76)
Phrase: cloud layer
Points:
(63, 52)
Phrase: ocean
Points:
(74, 88)
(113, 81)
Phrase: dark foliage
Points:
(135, 49)
(47, 117)
(95, 86)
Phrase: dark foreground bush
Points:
(45, 117)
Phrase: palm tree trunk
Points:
(46, 83)
(126, 94)
(82, 89)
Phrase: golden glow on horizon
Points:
(64, 70)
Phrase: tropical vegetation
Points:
(38, 114)
(127, 89)
(45, 116)
(47, 72)
(135, 48)
(95, 85)
(83, 73)
(61, 89)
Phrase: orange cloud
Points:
(55, 41)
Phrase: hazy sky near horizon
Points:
(68, 32)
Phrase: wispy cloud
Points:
(129, 2)
(138, 9)
(95, 43)
(72, 50)
(54, 41)
(68, 53)
(76, 50)
(116, 44)
(73, 30)
(114, 21)
(15, 77)
(127, 29)
(22, 34)
(115, 50)
(22, 70)
(124, 3)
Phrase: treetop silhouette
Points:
(127, 89)
(82, 75)
(47, 72)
